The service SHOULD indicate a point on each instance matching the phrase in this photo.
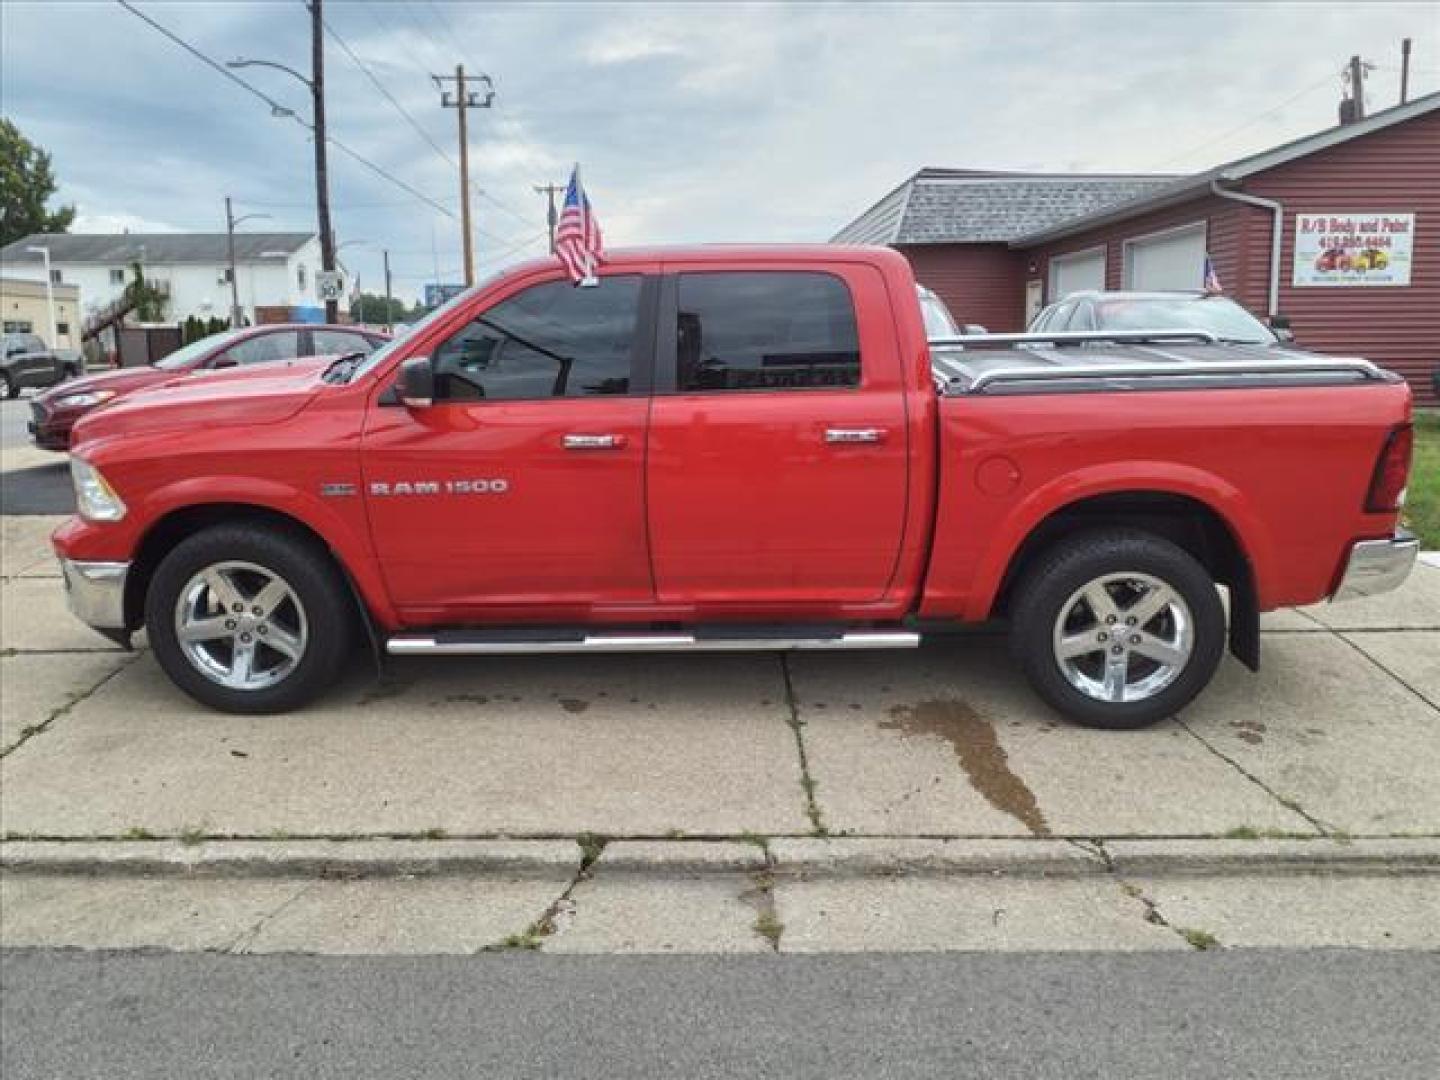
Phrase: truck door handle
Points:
(593, 442)
(854, 435)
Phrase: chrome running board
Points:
(455, 643)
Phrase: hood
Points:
(121, 381)
(234, 397)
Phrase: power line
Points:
(388, 96)
(445, 22)
(1248, 123)
(278, 109)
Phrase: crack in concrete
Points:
(75, 699)
(1199, 940)
(1379, 664)
(761, 898)
(797, 726)
(1323, 827)
(246, 938)
(560, 911)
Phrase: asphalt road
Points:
(1311, 1015)
(41, 490)
(14, 415)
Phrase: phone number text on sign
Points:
(1353, 249)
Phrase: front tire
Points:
(249, 619)
(1118, 628)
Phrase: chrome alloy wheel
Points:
(241, 625)
(1123, 637)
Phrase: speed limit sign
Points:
(330, 284)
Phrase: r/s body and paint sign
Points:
(1353, 249)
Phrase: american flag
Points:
(1212, 279)
(577, 236)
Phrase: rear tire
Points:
(1117, 628)
(265, 617)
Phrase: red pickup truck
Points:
(737, 448)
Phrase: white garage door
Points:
(1077, 272)
(1170, 260)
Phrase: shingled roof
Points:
(121, 249)
(964, 206)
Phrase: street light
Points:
(316, 85)
(49, 292)
(236, 315)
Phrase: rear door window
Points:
(262, 349)
(784, 330)
(339, 343)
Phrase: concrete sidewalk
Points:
(1338, 737)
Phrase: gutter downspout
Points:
(1277, 234)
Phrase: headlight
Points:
(84, 400)
(96, 499)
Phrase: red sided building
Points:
(1356, 209)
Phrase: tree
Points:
(26, 184)
(147, 301)
(370, 308)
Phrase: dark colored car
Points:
(25, 360)
(1095, 311)
(55, 412)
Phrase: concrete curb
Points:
(291, 858)
(797, 857)
(1144, 858)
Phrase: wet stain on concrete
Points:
(978, 749)
(468, 699)
(574, 705)
(1250, 731)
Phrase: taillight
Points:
(1387, 486)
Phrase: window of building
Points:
(62, 329)
(225, 276)
(117, 275)
(18, 326)
(300, 276)
(55, 277)
(261, 349)
(765, 331)
(551, 340)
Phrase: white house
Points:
(273, 270)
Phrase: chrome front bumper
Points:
(95, 592)
(1377, 566)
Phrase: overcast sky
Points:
(693, 122)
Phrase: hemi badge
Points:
(334, 490)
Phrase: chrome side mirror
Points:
(417, 383)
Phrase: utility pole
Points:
(388, 321)
(1357, 88)
(237, 314)
(1404, 71)
(322, 178)
(550, 190)
(463, 100)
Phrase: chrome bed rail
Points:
(991, 364)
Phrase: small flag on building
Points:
(577, 236)
(1212, 279)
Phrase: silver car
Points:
(1100, 311)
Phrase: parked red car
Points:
(738, 448)
(53, 414)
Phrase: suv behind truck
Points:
(737, 448)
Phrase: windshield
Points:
(181, 358)
(939, 323)
(402, 338)
(1223, 318)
